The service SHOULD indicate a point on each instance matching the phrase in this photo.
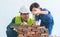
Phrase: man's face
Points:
(25, 16)
(35, 11)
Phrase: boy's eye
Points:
(34, 10)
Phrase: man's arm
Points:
(13, 21)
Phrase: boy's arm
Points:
(45, 11)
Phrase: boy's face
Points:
(35, 11)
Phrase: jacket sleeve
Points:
(36, 18)
(13, 21)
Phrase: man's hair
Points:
(34, 5)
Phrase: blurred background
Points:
(10, 8)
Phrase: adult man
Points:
(24, 17)
(44, 15)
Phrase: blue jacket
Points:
(46, 20)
